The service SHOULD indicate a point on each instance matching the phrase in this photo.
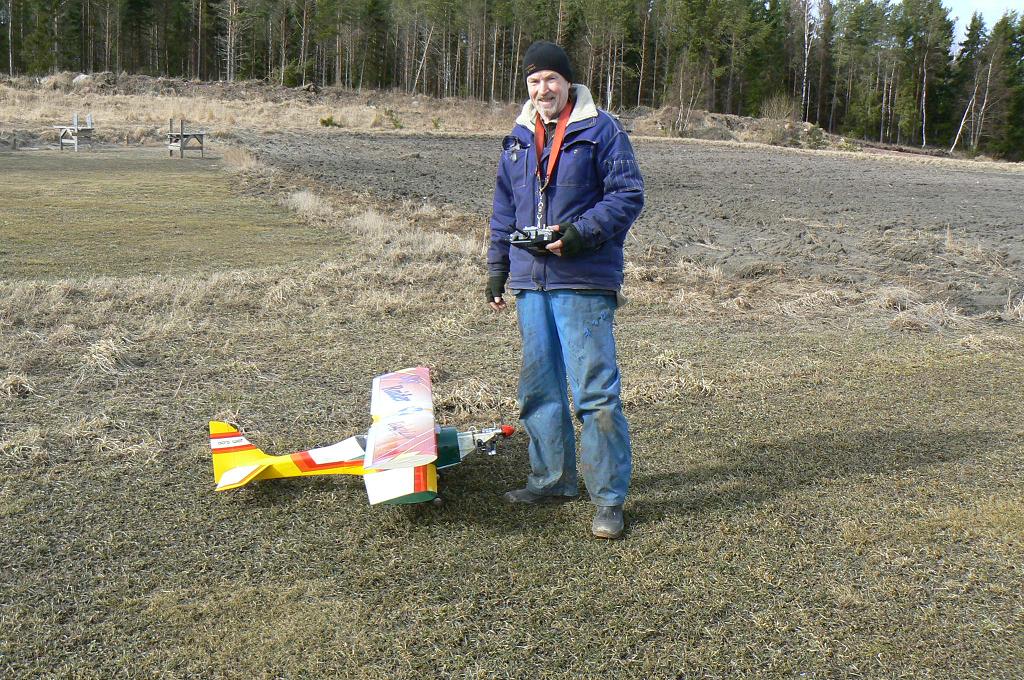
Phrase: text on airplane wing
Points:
(402, 434)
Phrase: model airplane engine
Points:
(453, 446)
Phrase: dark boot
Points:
(608, 522)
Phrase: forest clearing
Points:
(821, 362)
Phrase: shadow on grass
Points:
(747, 473)
(752, 472)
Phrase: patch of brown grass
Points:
(1014, 310)
(239, 159)
(472, 396)
(86, 428)
(662, 376)
(895, 298)
(933, 316)
(109, 356)
(17, 386)
(972, 252)
(307, 203)
(117, 115)
(133, 447)
(990, 341)
(23, 447)
(817, 300)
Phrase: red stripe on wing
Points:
(305, 462)
(232, 449)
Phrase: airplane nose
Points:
(507, 430)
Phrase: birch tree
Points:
(7, 19)
(804, 9)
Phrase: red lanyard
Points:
(556, 143)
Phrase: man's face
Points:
(549, 92)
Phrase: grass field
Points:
(118, 212)
(827, 483)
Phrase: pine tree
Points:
(1007, 112)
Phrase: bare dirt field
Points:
(952, 230)
(829, 456)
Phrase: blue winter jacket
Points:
(597, 186)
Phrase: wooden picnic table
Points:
(72, 134)
(179, 140)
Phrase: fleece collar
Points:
(584, 108)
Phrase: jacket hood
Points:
(585, 108)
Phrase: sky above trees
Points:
(991, 11)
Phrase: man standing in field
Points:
(569, 166)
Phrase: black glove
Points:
(572, 242)
(496, 285)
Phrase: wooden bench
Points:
(180, 140)
(72, 134)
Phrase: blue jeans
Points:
(566, 333)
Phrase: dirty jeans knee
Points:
(585, 327)
(606, 454)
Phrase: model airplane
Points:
(398, 458)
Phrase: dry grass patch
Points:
(109, 356)
(972, 252)
(917, 246)
(458, 325)
(932, 316)
(119, 117)
(697, 288)
(474, 397)
(307, 203)
(738, 303)
(1014, 310)
(64, 335)
(989, 342)
(809, 303)
(354, 117)
(239, 159)
(662, 376)
(22, 447)
(701, 272)
(132, 447)
(635, 274)
(895, 298)
(998, 519)
(400, 244)
(86, 428)
(17, 386)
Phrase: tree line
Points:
(874, 69)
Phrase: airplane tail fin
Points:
(236, 462)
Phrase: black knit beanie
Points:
(547, 56)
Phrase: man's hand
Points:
(495, 290)
(571, 243)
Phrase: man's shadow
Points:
(745, 472)
(754, 471)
